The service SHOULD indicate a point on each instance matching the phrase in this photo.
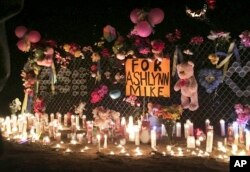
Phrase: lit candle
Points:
(241, 134)
(209, 145)
(98, 136)
(52, 117)
(190, 142)
(169, 148)
(153, 138)
(163, 130)
(207, 123)
(219, 145)
(83, 121)
(131, 133)
(77, 122)
(235, 128)
(105, 145)
(79, 137)
(236, 139)
(65, 120)
(59, 118)
(191, 129)
(72, 120)
(186, 130)
(137, 135)
(178, 129)
(222, 127)
(247, 140)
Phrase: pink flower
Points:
(105, 53)
(196, 40)
(157, 46)
(144, 50)
(95, 97)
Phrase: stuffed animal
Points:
(188, 86)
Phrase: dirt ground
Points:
(34, 157)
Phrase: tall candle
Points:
(72, 120)
(247, 140)
(163, 130)
(209, 145)
(52, 117)
(186, 130)
(241, 134)
(137, 135)
(236, 139)
(58, 136)
(191, 129)
(59, 118)
(207, 123)
(65, 120)
(131, 133)
(98, 136)
(105, 145)
(77, 122)
(178, 129)
(222, 127)
(190, 142)
(153, 138)
(235, 128)
(83, 121)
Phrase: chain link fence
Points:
(75, 84)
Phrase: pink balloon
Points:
(34, 36)
(143, 29)
(20, 31)
(155, 16)
(134, 15)
(23, 46)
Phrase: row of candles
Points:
(19, 126)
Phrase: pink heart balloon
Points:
(20, 31)
(155, 16)
(34, 36)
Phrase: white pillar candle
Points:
(59, 118)
(137, 135)
(207, 123)
(7, 124)
(72, 120)
(105, 145)
(191, 129)
(20, 124)
(153, 138)
(241, 134)
(38, 128)
(190, 142)
(235, 128)
(46, 119)
(130, 129)
(83, 121)
(77, 122)
(178, 129)
(163, 130)
(222, 127)
(209, 145)
(98, 136)
(236, 139)
(65, 120)
(247, 140)
(186, 130)
(52, 117)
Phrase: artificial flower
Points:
(157, 46)
(196, 40)
(243, 113)
(214, 59)
(245, 38)
(219, 36)
(95, 57)
(210, 79)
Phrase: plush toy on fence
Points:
(188, 86)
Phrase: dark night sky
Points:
(82, 22)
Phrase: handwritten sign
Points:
(148, 78)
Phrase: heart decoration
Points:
(242, 71)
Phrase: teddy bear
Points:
(188, 86)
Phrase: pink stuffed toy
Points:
(188, 86)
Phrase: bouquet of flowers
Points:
(243, 113)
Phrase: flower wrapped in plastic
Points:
(243, 113)
(210, 79)
(245, 39)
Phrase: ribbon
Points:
(225, 62)
(25, 101)
(53, 79)
(177, 56)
